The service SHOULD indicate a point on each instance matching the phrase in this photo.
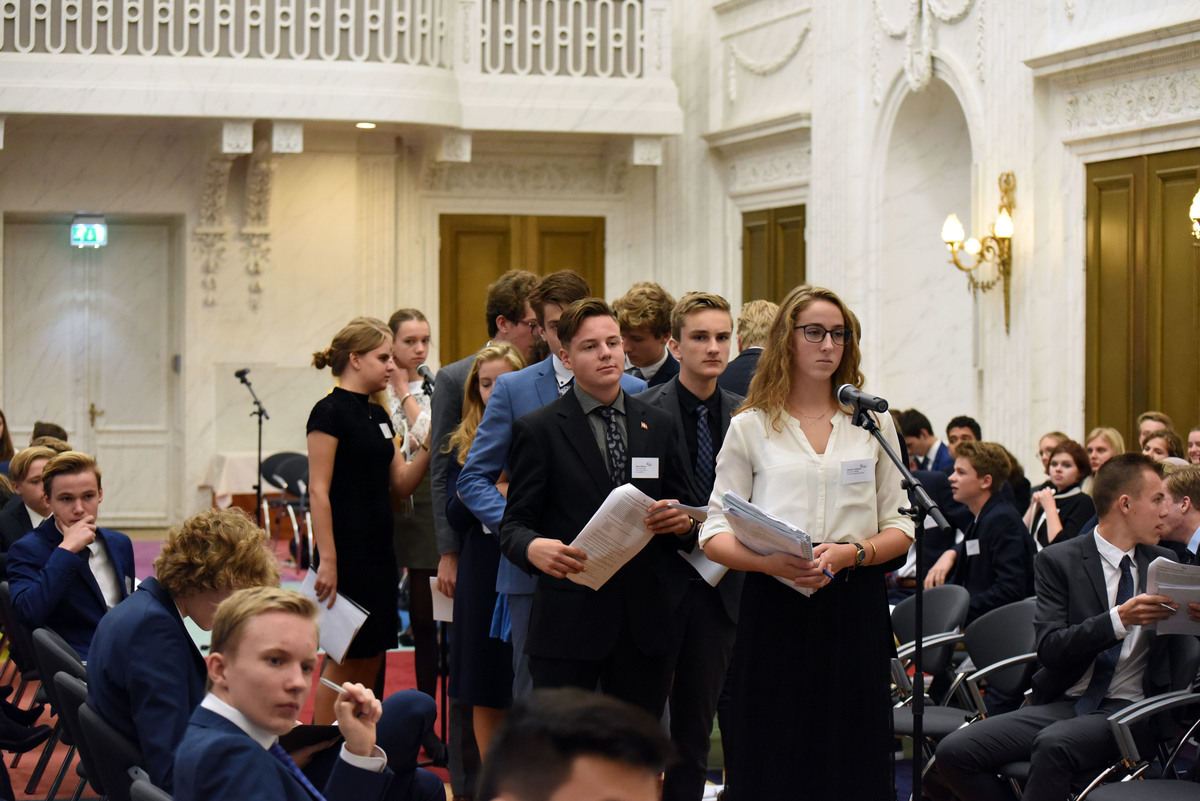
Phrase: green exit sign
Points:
(89, 232)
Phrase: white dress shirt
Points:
(34, 518)
(102, 569)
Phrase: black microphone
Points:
(427, 374)
(850, 395)
(242, 373)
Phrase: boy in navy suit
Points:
(260, 671)
(644, 316)
(566, 457)
(67, 572)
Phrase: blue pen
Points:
(826, 572)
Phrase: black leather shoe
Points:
(35, 737)
(22, 717)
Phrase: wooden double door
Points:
(477, 249)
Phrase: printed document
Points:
(1181, 583)
(614, 535)
(764, 533)
(339, 624)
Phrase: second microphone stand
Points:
(260, 412)
(922, 507)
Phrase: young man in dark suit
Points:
(995, 559)
(260, 670)
(1183, 513)
(924, 448)
(566, 458)
(1096, 646)
(28, 507)
(68, 572)
(701, 331)
(644, 317)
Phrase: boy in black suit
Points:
(566, 457)
(644, 316)
(701, 332)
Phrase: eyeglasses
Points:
(816, 333)
(533, 324)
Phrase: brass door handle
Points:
(93, 413)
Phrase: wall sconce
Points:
(996, 247)
(1194, 213)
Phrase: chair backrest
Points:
(143, 790)
(943, 609)
(1000, 634)
(115, 754)
(72, 692)
(54, 655)
(294, 473)
(20, 643)
(272, 467)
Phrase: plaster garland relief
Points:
(754, 173)
(918, 35)
(210, 234)
(256, 233)
(737, 58)
(550, 175)
(1151, 100)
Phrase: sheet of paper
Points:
(614, 535)
(1182, 584)
(765, 533)
(709, 570)
(699, 513)
(443, 605)
(339, 624)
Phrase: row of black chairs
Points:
(1001, 649)
(108, 761)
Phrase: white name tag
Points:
(387, 432)
(644, 467)
(972, 547)
(857, 471)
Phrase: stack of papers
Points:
(764, 533)
(1180, 583)
(614, 535)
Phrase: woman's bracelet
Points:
(874, 552)
(425, 447)
(406, 397)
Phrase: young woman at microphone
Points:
(810, 673)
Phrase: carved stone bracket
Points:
(256, 233)
(210, 235)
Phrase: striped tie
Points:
(704, 451)
(277, 751)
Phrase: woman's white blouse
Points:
(847, 494)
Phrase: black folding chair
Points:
(20, 644)
(55, 656)
(72, 693)
(288, 471)
(944, 611)
(118, 760)
(143, 790)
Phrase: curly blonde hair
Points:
(217, 549)
(772, 381)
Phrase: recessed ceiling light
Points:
(366, 125)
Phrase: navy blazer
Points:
(666, 397)
(1071, 618)
(668, 370)
(14, 524)
(53, 587)
(737, 375)
(942, 460)
(1002, 571)
(217, 760)
(145, 676)
(559, 479)
(514, 395)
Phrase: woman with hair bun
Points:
(354, 463)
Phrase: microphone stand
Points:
(922, 506)
(260, 412)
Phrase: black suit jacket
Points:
(669, 369)
(559, 479)
(666, 397)
(1072, 621)
(14, 524)
(737, 375)
(1002, 571)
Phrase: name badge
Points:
(387, 432)
(972, 547)
(858, 471)
(644, 467)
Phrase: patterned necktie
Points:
(563, 387)
(636, 372)
(1106, 661)
(704, 451)
(615, 444)
(277, 751)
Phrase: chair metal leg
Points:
(79, 789)
(62, 774)
(36, 778)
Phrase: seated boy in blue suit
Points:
(260, 671)
(68, 572)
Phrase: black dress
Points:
(1074, 509)
(362, 512)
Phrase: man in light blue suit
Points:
(515, 395)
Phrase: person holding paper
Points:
(354, 463)
(566, 458)
(810, 683)
(1096, 643)
(701, 332)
